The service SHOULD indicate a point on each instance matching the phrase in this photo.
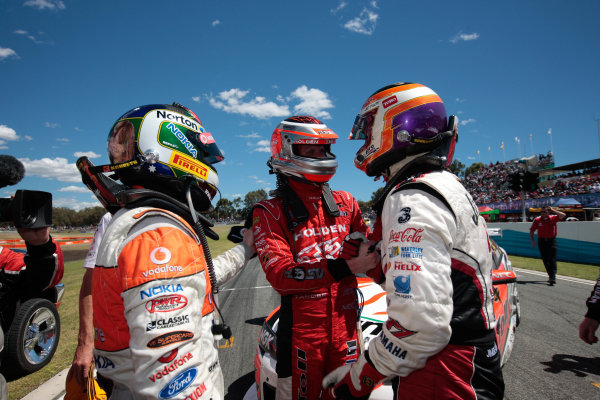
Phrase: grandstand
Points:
(490, 187)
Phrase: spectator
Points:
(589, 325)
(546, 225)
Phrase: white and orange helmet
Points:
(401, 120)
(301, 130)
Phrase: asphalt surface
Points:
(549, 361)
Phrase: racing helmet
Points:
(297, 131)
(165, 148)
(402, 120)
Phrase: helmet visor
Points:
(361, 127)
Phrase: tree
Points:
(457, 168)
(223, 210)
(473, 168)
(252, 198)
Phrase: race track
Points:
(549, 361)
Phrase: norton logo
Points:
(160, 255)
(180, 383)
(169, 338)
(166, 303)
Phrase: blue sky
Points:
(510, 69)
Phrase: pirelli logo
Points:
(188, 164)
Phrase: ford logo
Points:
(179, 383)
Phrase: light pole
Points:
(551, 147)
(531, 143)
(518, 145)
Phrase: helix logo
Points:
(160, 255)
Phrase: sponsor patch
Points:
(103, 362)
(402, 284)
(409, 266)
(404, 215)
(167, 322)
(166, 303)
(408, 235)
(182, 138)
(169, 338)
(411, 252)
(160, 255)
(189, 164)
(161, 269)
(172, 366)
(180, 383)
(392, 348)
(161, 289)
(396, 329)
(389, 101)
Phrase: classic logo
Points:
(411, 235)
(161, 289)
(190, 165)
(167, 322)
(402, 266)
(180, 383)
(171, 367)
(402, 284)
(166, 303)
(390, 101)
(160, 255)
(169, 338)
(102, 362)
(396, 329)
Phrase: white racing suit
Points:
(437, 261)
(153, 308)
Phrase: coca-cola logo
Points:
(166, 303)
(409, 235)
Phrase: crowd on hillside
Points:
(491, 183)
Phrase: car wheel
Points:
(32, 338)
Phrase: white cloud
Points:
(45, 4)
(28, 138)
(364, 23)
(7, 133)
(6, 52)
(253, 135)
(62, 139)
(467, 121)
(20, 32)
(51, 125)
(313, 102)
(74, 204)
(88, 154)
(57, 168)
(262, 146)
(339, 7)
(73, 188)
(216, 22)
(466, 37)
(23, 32)
(232, 101)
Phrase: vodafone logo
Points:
(160, 255)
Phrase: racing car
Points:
(373, 315)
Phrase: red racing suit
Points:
(153, 308)
(318, 315)
(42, 267)
(436, 257)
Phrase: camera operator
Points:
(42, 266)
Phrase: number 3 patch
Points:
(404, 215)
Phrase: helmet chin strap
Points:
(219, 327)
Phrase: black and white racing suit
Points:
(436, 257)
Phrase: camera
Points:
(27, 209)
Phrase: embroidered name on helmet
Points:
(184, 140)
(190, 165)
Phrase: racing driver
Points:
(155, 315)
(299, 234)
(436, 259)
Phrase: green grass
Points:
(583, 271)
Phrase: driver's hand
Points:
(35, 236)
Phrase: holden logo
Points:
(160, 255)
